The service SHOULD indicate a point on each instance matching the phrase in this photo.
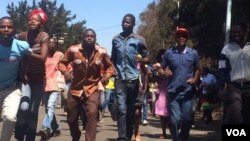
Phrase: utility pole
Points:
(178, 13)
(228, 21)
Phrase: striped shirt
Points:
(34, 68)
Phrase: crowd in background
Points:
(89, 83)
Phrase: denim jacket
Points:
(124, 52)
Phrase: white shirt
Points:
(239, 59)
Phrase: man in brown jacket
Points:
(88, 61)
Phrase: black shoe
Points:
(45, 133)
(56, 133)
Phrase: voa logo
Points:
(236, 132)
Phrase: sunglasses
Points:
(182, 35)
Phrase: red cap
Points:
(41, 13)
(182, 31)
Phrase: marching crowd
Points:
(90, 81)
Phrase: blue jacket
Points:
(124, 52)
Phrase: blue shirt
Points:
(9, 61)
(208, 79)
(124, 52)
(182, 65)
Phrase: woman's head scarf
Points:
(41, 13)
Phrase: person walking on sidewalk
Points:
(181, 65)
(208, 90)
(143, 88)
(234, 78)
(161, 103)
(109, 93)
(52, 91)
(32, 75)
(87, 60)
(11, 52)
(144, 115)
(126, 46)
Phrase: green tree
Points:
(204, 19)
(19, 14)
(158, 23)
(75, 36)
(148, 27)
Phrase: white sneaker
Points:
(83, 131)
(100, 117)
(101, 120)
(144, 122)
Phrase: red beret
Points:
(182, 31)
(41, 13)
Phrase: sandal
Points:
(163, 136)
(138, 137)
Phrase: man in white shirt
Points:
(234, 68)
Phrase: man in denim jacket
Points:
(128, 49)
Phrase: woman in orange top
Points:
(52, 91)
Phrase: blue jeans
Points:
(27, 115)
(180, 112)
(50, 101)
(126, 94)
(145, 107)
(108, 93)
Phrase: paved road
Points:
(107, 130)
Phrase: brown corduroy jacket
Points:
(86, 73)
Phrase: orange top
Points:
(52, 72)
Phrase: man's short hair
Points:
(88, 29)
(5, 17)
(130, 16)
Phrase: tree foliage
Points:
(148, 27)
(204, 19)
